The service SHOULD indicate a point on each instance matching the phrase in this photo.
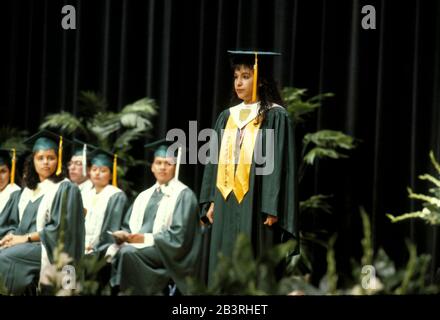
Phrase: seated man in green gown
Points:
(161, 237)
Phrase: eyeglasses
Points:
(74, 163)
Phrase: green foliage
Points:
(323, 144)
(385, 277)
(317, 201)
(330, 281)
(367, 241)
(297, 106)
(110, 131)
(13, 138)
(431, 204)
(65, 122)
(327, 144)
(242, 274)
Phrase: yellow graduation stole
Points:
(227, 181)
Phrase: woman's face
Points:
(4, 176)
(243, 80)
(45, 163)
(100, 176)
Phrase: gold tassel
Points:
(254, 84)
(115, 170)
(13, 160)
(60, 157)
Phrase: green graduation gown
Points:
(273, 194)
(9, 209)
(175, 253)
(111, 212)
(20, 265)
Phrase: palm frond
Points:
(317, 201)
(319, 153)
(330, 139)
(430, 178)
(434, 161)
(65, 122)
(124, 141)
(90, 104)
(13, 138)
(104, 124)
(297, 106)
(145, 107)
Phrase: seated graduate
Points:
(161, 237)
(105, 203)
(79, 167)
(9, 193)
(48, 203)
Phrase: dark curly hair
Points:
(268, 91)
(30, 175)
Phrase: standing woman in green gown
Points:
(250, 186)
(50, 205)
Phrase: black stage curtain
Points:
(386, 83)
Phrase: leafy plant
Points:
(243, 274)
(431, 204)
(297, 106)
(322, 144)
(13, 138)
(110, 131)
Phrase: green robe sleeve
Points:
(207, 190)
(279, 191)
(66, 223)
(9, 216)
(180, 245)
(113, 216)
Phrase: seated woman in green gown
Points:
(105, 204)
(9, 193)
(50, 205)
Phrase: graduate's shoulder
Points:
(184, 190)
(223, 115)
(67, 185)
(277, 111)
(115, 191)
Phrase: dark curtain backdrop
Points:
(386, 85)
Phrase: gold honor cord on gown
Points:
(226, 180)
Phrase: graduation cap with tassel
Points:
(162, 149)
(47, 140)
(102, 158)
(249, 57)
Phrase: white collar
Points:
(235, 113)
(166, 188)
(42, 188)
